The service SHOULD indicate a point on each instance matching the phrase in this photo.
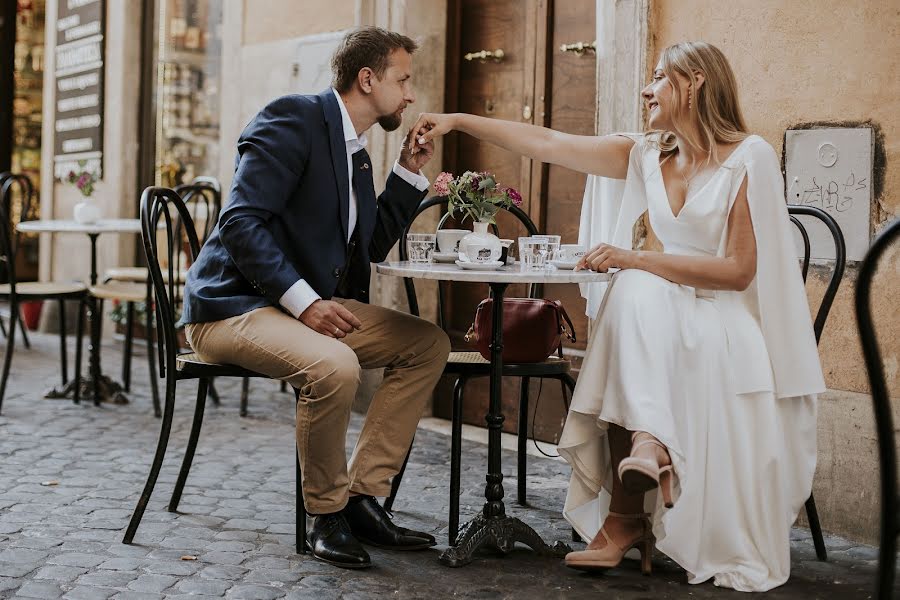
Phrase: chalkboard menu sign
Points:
(80, 27)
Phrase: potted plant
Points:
(477, 195)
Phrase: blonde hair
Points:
(715, 102)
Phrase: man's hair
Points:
(365, 47)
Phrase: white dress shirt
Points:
(299, 296)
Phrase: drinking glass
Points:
(533, 253)
(552, 244)
(420, 247)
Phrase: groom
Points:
(282, 288)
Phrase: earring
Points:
(689, 98)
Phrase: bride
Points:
(693, 425)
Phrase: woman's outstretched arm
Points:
(597, 155)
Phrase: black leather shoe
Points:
(331, 541)
(372, 525)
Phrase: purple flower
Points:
(515, 196)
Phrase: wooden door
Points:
(537, 83)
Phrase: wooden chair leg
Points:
(161, 444)
(152, 349)
(301, 506)
(2, 328)
(96, 335)
(10, 343)
(284, 386)
(202, 389)
(523, 443)
(63, 357)
(24, 331)
(815, 528)
(455, 459)
(213, 392)
(395, 482)
(129, 338)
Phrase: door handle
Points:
(579, 48)
(497, 55)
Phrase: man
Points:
(282, 285)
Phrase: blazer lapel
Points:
(338, 154)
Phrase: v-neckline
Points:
(688, 199)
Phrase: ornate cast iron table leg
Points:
(492, 528)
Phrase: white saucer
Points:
(482, 266)
(564, 264)
(445, 257)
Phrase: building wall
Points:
(798, 62)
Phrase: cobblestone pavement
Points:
(237, 513)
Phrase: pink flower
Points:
(442, 184)
(515, 196)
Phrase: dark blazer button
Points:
(336, 272)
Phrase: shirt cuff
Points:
(417, 180)
(298, 297)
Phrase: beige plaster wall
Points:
(837, 66)
(807, 61)
(272, 20)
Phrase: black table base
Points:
(498, 533)
(109, 391)
(493, 528)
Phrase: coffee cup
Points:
(448, 239)
(571, 252)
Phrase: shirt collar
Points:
(354, 142)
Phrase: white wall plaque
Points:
(831, 169)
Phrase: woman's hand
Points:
(603, 257)
(428, 127)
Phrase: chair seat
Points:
(192, 365)
(127, 292)
(472, 363)
(45, 288)
(134, 274)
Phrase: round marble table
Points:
(98, 386)
(492, 527)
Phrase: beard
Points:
(390, 122)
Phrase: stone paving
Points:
(70, 476)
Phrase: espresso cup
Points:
(448, 239)
(571, 252)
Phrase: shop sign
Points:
(78, 123)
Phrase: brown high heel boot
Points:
(610, 555)
(639, 475)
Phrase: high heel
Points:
(639, 475)
(610, 555)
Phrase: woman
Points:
(693, 424)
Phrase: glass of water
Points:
(533, 253)
(420, 247)
(552, 245)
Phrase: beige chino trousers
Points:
(327, 373)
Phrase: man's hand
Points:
(413, 156)
(330, 318)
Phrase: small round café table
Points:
(106, 389)
(492, 528)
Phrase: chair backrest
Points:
(840, 258)
(9, 237)
(205, 192)
(412, 300)
(884, 426)
(163, 203)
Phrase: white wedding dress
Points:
(700, 370)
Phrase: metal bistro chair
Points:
(3, 177)
(840, 259)
(159, 203)
(884, 426)
(15, 292)
(131, 285)
(467, 365)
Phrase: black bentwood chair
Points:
(468, 365)
(15, 292)
(159, 203)
(840, 259)
(884, 426)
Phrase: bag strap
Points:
(562, 310)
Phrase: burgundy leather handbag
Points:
(532, 329)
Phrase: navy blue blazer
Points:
(286, 216)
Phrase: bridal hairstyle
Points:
(716, 102)
(366, 47)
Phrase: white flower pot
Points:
(480, 245)
(87, 212)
